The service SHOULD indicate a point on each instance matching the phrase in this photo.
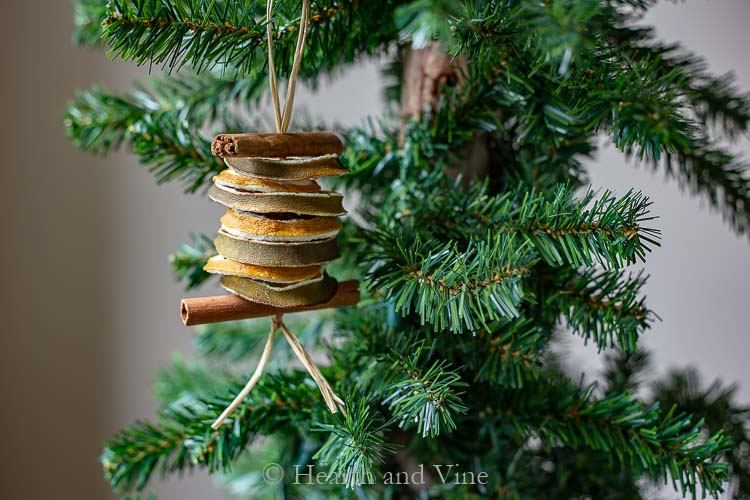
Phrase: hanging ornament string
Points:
(283, 119)
(333, 402)
(253, 380)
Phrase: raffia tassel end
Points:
(333, 402)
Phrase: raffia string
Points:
(283, 119)
(253, 380)
(333, 402)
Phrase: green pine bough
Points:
(475, 270)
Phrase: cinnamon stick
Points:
(276, 145)
(204, 310)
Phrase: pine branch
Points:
(101, 122)
(423, 21)
(714, 100)
(624, 371)
(245, 479)
(660, 99)
(718, 101)
(553, 38)
(507, 354)
(563, 29)
(188, 261)
(355, 449)
(607, 307)
(177, 385)
(645, 440)
(510, 353)
(87, 18)
(211, 97)
(599, 35)
(396, 367)
(382, 154)
(197, 32)
(560, 230)
(448, 287)
(524, 127)
(181, 437)
(564, 230)
(717, 405)
(377, 156)
(662, 105)
(427, 398)
(232, 35)
(638, 4)
(604, 229)
(161, 122)
(648, 121)
(640, 106)
(716, 175)
(610, 230)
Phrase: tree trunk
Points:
(426, 73)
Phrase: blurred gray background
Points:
(89, 306)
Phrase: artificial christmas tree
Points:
(475, 237)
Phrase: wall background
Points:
(90, 309)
